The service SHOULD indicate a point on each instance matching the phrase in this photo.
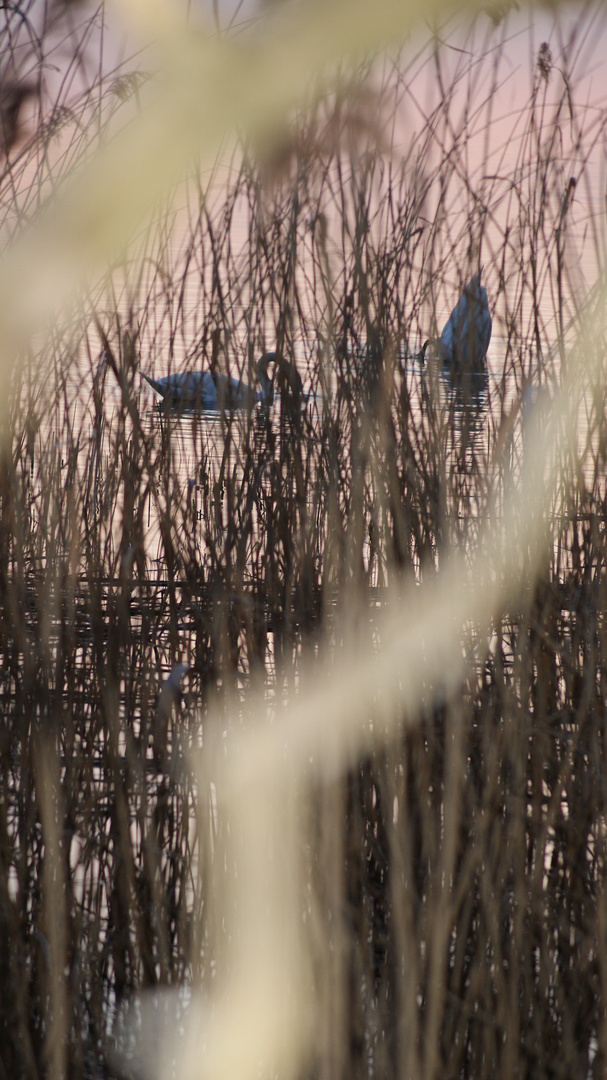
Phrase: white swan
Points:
(213, 391)
(462, 347)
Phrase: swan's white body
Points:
(462, 347)
(205, 390)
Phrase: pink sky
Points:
(489, 71)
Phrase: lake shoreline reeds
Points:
(160, 570)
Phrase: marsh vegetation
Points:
(454, 895)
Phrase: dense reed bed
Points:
(454, 890)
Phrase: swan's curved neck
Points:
(267, 387)
(434, 351)
(291, 377)
(429, 343)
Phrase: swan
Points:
(462, 347)
(213, 390)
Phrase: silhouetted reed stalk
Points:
(456, 874)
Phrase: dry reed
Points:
(439, 851)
